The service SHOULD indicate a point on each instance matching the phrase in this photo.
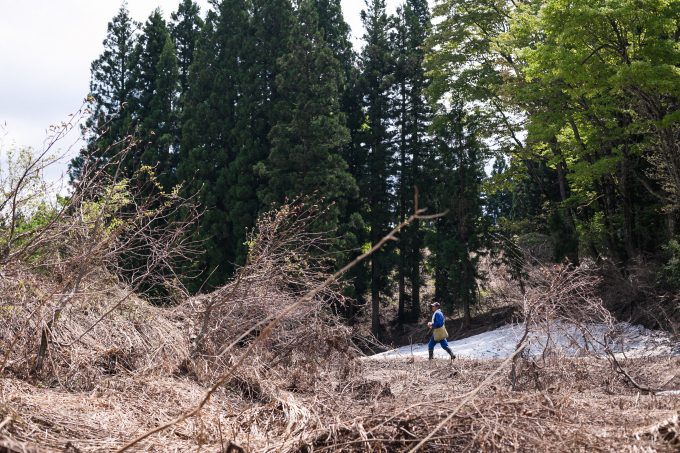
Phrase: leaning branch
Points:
(620, 370)
(468, 397)
(268, 326)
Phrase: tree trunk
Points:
(415, 271)
(403, 245)
(628, 219)
(469, 288)
(375, 295)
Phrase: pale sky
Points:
(46, 47)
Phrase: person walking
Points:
(439, 333)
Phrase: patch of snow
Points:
(562, 339)
(669, 392)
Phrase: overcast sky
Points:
(46, 48)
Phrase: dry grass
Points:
(584, 408)
(117, 367)
(89, 341)
(378, 406)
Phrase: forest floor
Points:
(570, 405)
(231, 371)
(575, 404)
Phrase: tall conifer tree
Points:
(185, 29)
(376, 83)
(309, 128)
(229, 110)
(337, 34)
(111, 90)
(413, 118)
(261, 47)
(208, 130)
(156, 85)
(456, 241)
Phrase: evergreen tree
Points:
(376, 182)
(308, 127)
(111, 91)
(228, 115)
(412, 116)
(185, 30)
(456, 241)
(337, 34)
(265, 42)
(208, 123)
(156, 83)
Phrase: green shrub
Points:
(670, 272)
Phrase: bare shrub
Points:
(72, 316)
(635, 294)
(68, 269)
(559, 305)
(285, 261)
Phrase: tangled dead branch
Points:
(74, 263)
(263, 364)
(269, 325)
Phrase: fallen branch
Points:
(269, 325)
(468, 397)
(620, 370)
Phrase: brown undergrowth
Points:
(380, 406)
(304, 394)
(263, 364)
(304, 388)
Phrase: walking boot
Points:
(431, 352)
(453, 356)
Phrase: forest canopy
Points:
(543, 124)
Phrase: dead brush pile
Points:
(470, 406)
(297, 386)
(263, 364)
(103, 331)
(285, 262)
(89, 365)
(271, 348)
(71, 310)
(543, 401)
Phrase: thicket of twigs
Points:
(76, 321)
(635, 294)
(263, 364)
(285, 262)
(72, 272)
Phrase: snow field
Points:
(564, 339)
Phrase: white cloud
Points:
(46, 48)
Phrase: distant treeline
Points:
(572, 106)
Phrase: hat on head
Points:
(435, 304)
